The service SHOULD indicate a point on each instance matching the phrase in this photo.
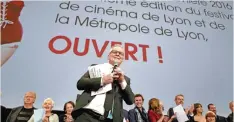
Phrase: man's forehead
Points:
(138, 97)
(180, 97)
(29, 94)
(213, 106)
(117, 49)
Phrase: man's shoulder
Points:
(13, 110)
(230, 117)
(231, 114)
(132, 111)
(19, 107)
(221, 117)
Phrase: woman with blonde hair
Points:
(155, 112)
(47, 105)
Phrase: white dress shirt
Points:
(97, 104)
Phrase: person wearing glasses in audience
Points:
(23, 113)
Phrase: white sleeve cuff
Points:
(123, 84)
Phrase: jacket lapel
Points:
(16, 113)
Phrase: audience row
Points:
(154, 113)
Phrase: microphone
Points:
(115, 66)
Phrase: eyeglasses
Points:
(117, 52)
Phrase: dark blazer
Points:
(230, 117)
(132, 115)
(13, 114)
(171, 113)
(220, 119)
(87, 84)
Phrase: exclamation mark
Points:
(160, 55)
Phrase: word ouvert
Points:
(133, 51)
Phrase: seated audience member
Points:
(179, 100)
(155, 112)
(230, 116)
(23, 113)
(48, 104)
(197, 112)
(68, 108)
(210, 116)
(138, 113)
(211, 107)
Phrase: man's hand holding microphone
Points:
(117, 75)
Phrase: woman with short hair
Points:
(47, 105)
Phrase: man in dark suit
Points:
(23, 113)
(179, 100)
(106, 106)
(211, 107)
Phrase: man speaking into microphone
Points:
(102, 99)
